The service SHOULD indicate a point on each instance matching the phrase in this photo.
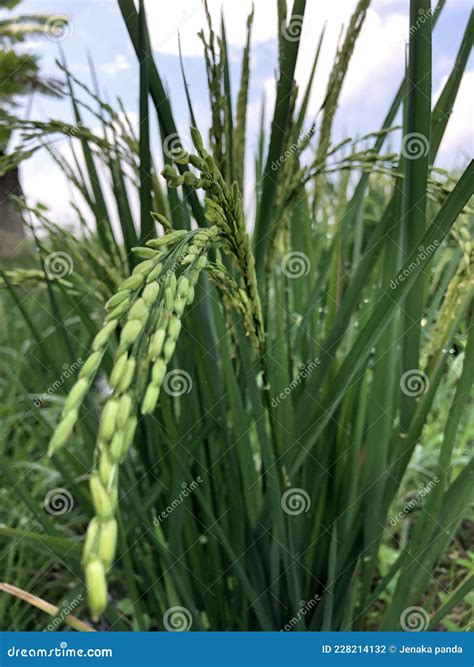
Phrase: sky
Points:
(96, 26)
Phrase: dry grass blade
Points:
(47, 607)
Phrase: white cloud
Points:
(43, 182)
(458, 142)
(369, 76)
(115, 67)
(29, 46)
(183, 17)
(378, 57)
(187, 17)
(374, 73)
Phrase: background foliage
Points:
(324, 364)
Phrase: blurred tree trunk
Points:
(12, 232)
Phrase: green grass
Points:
(310, 442)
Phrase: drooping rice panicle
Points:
(148, 307)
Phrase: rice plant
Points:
(247, 392)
